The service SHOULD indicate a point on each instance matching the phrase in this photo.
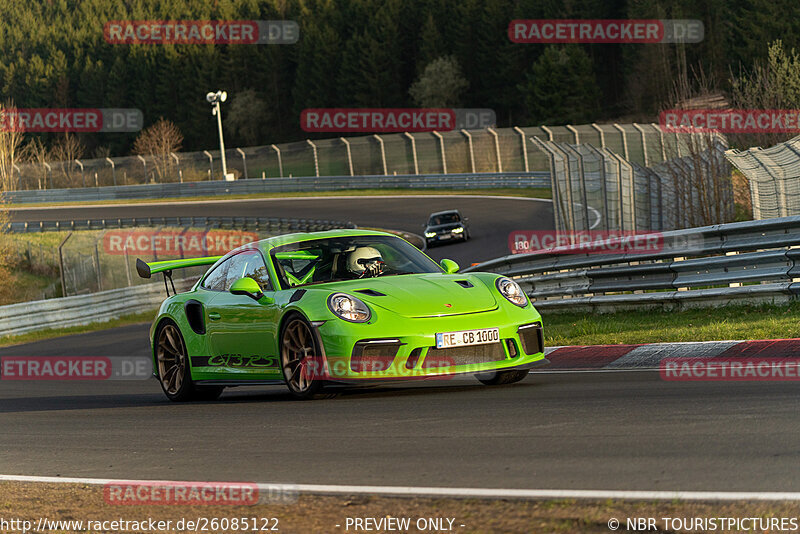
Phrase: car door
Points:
(242, 331)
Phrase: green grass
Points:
(710, 324)
(144, 317)
(536, 192)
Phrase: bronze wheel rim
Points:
(171, 358)
(298, 355)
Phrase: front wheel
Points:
(499, 378)
(174, 373)
(301, 358)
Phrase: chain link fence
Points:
(774, 177)
(598, 189)
(463, 151)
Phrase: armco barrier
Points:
(64, 312)
(282, 185)
(270, 224)
(746, 262)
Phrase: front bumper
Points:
(406, 350)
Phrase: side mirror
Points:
(449, 266)
(247, 286)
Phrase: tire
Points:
(500, 378)
(300, 358)
(172, 364)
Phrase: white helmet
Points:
(365, 261)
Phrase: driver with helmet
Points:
(365, 262)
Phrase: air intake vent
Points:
(370, 292)
(464, 283)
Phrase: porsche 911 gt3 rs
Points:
(337, 307)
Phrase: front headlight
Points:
(458, 230)
(511, 290)
(348, 308)
(430, 234)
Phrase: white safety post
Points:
(524, 146)
(496, 148)
(413, 151)
(280, 162)
(174, 156)
(471, 151)
(383, 153)
(113, 170)
(211, 164)
(441, 144)
(244, 161)
(316, 159)
(83, 176)
(349, 154)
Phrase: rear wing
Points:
(146, 270)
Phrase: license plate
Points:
(464, 338)
(445, 236)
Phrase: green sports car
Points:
(337, 307)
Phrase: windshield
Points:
(347, 258)
(444, 218)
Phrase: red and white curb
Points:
(650, 355)
(458, 493)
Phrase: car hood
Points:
(422, 295)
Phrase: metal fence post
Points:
(624, 141)
(661, 140)
(644, 144)
(280, 161)
(575, 133)
(413, 151)
(383, 153)
(349, 154)
(471, 151)
(524, 147)
(496, 149)
(177, 164)
(548, 131)
(113, 170)
(316, 159)
(61, 263)
(83, 176)
(581, 179)
(50, 172)
(210, 163)
(602, 134)
(441, 144)
(144, 165)
(603, 184)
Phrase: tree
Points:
(441, 84)
(560, 87)
(10, 141)
(159, 141)
(66, 149)
(774, 84)
(246, 117)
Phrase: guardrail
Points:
(750, 262)
(240, 223)
(282, 185)
(64, 312)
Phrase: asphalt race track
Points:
(625, 430)
(579, 430)
(491, 219)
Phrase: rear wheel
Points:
(174, 373)
(301, 358)
(499, 378)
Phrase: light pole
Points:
(215, 99)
